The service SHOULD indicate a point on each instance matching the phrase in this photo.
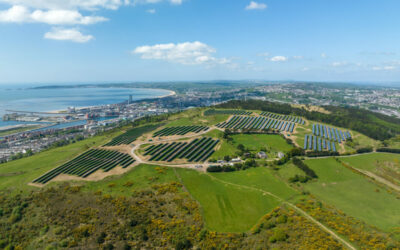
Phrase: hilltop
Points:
(243, 174)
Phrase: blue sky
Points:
(51, 41)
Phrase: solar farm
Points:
(198, 150)
(330, 133)
(324, 138)
(88, 163)
(257, 123)
(284, 117)
(315, 143)
(181, 130)
(226, 112)
(131, 135)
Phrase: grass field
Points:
(354, 194)
(260, 178)
(195, 117)
(289, 170)
(15, 175)
(382, 164)
(140, 177)
(223, 205)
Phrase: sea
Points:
(28, 98)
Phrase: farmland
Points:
(131, 135)
(180, 130)
(384, 165)
(257, 123)
(223, 206)
(88, 163)
(354, 194)
(198, 150)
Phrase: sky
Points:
(63, 41)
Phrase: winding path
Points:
(193, 166)
(304, 213)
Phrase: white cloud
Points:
(256, 6)
(67, 4)
(323, 55)
(378, 68)
(73, 35)
(279, 59)
(188, 53)
(151, 11)
(16, 14)
(298, 57)
(21, 14)
(174, 2)
(339, 64)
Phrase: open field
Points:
(354, 194)
(15, 175)
(141, 177)
(195, 117)
(385, 165)
(223, 205)
(254, 142)
(261, 178)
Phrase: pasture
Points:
(222, 204)
(354, 194)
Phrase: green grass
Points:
(289, 170)
(140, 177)
(254, 142)
(15, 175)
(226, 208)
(354, 194)
(385, 165)
(195, 117)
(260, 178)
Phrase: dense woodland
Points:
(374, 125)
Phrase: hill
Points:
(197, 179)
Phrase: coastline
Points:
(171, 93)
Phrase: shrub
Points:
(279, 235)
(184, 244)
(101, 238)
(364, 150)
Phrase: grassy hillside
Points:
(354, 194)
(15, 175)
(223, 206)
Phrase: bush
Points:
(364, 150)
(184, 244)
(279, 235)
(299, 178)
(101, 238)
(389, 150)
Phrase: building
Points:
(262, 155)
(281, 155)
